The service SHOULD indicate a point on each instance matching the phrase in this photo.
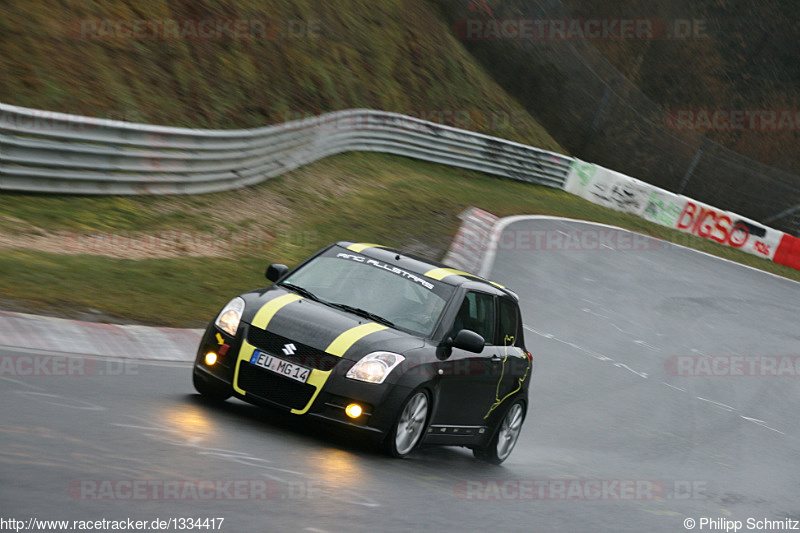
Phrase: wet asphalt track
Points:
(607, 409)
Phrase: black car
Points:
(385, 343)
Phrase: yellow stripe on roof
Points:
(360, 246)
(343, 342)
(440, 273)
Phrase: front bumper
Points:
(324, 396)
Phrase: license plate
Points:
(279, 366)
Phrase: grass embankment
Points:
(395, 55)
(395, 201)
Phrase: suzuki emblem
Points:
(289, 349)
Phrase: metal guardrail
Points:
(59, 153)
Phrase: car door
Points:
(468, 381)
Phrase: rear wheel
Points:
(409, 427)
(207, 390)
(501, 445)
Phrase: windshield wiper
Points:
(364, 314)
(302, 291)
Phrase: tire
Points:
(410, 426)
(208, 391)
(506, 436)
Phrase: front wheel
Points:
(409, 426)
(208, 391)
(505, 438)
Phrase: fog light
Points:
(353, 410)
(211, 358)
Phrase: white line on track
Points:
(762, 424)
(718, 404)
(63, 401)
(18, 382)
(673, 386)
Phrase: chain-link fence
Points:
(600, 116)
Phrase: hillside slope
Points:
(293, 59)
(745, 58)
(621, 100)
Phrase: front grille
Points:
(272, 387)
(305, 355)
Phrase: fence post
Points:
(598, 112)
(783, 214)
(693, 165)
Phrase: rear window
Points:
(509, 323)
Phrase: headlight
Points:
(374, 368)
(228, 319)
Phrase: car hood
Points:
(278, 317)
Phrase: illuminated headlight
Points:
(374, 368)
(228, 319)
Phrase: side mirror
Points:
(276, 271)
(469, 340)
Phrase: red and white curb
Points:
(471, 241)
(32, 332)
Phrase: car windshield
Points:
(373, 289)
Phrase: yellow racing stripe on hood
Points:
(338, 347)
(268, 310)
(262, 318)
(343, 342)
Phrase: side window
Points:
(477, 314)
(509, 323)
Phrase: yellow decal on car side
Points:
(509, 339)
